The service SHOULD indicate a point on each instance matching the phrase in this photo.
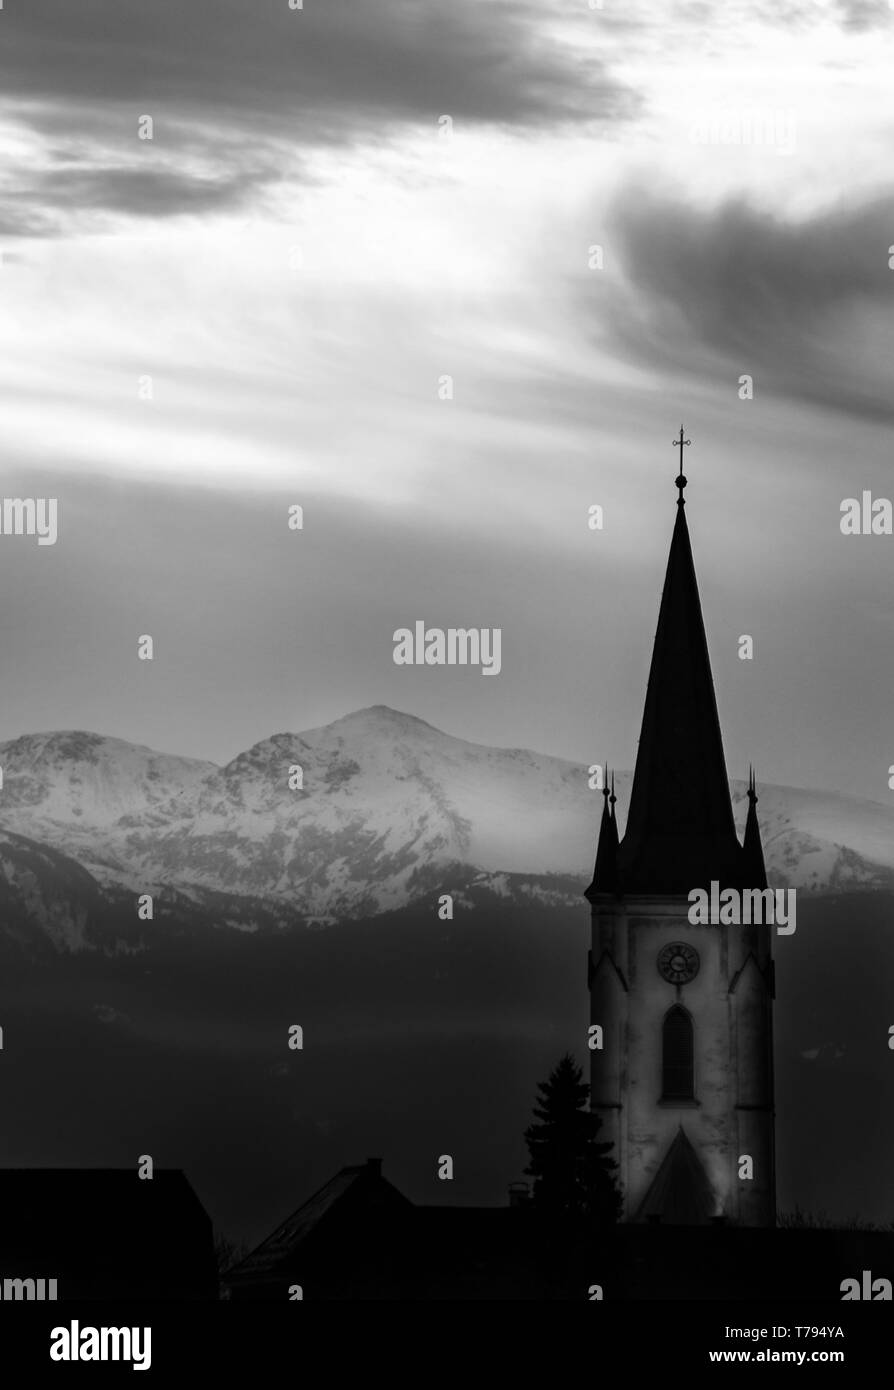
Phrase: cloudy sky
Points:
(306, 245)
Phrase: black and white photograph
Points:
(447, 667)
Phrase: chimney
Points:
(374, 1167)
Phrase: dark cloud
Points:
(103, 168)
(155, 193)
(23, 222)
(336, 69)
(804, 307)
(79, 184)
(221, 74)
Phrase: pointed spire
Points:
(752, 850)
(680, 828)
(605, 874)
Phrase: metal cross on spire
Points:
(681, 480)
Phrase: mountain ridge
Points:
(390, 811)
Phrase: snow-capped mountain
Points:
(84, 778)
(389, 811)
(79, 792)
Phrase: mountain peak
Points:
(383, 714)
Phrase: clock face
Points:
(678, 963)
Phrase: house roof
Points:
(57, 1188)
(360, 1185)
(54, 1211)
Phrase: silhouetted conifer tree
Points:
(573, 1174)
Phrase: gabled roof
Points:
(680, 1194)
(105, 1232)
(680, 830)
(360, 1186)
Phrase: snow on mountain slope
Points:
(79, 791)
(68, 776)
(820, 841)
(391, 810)
(388, 802)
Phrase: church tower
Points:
(683, 1081)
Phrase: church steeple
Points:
(680, 829)
(681, 1010)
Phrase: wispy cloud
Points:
(864, 14)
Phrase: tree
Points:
(573, 1174)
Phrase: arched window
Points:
(676, 1055)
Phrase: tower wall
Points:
(608, 1008)
(752, 1025)
(729, 1006)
